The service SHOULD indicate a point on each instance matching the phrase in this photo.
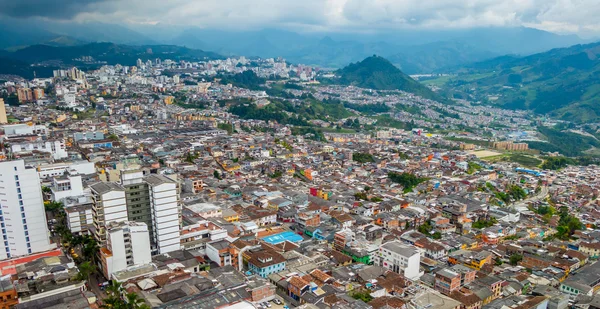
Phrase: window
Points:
(18, 184)
(24, 221)
(16, 177)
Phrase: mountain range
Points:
(562, 82)
(414, 51)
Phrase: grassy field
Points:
(443, 80)
(524, 160)
(482, 154)
(439, 81)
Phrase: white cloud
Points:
(565, 16)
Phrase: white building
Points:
(70, 100)
(22, 216)
(56, 147)
(195, 236)
(24, 129)
(109, 205)
(400, 258)
(166, 212)
(68, 185)
(123, 129)
(58, 169)
(79, 215)
(128, 244)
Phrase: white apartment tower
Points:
(108, 206)
(128, 244)
(22, 216)
(165, 211)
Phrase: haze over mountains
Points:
(414, 51)
(517, 68)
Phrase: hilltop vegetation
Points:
(286, 112)
(561, 82)
(247, 79)
(567, 143)
(378, 73)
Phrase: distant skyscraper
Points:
(139, 63)
(22, 214)
(25, 95)
(3, 118)
(38, 93)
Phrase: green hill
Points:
(110, 52)
(19, 62)
(378, 73)
(561, 82)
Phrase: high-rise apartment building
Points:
(22, 215)
(109, 205)
(38, 93)
(25, 95)
(166, 214)
(128, 244)
(138, 198)
(3, 118)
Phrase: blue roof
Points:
(282, 237)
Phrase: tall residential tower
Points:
(22, 214)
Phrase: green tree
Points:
(90, 248)
(365, 296)
(515, 259)
(227, 127)
(85, 270)
(133, 301)
(54, 207)
(361, 196)
(362, 157)
(407, 180)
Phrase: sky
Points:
(559, 16)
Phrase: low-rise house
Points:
(264, 262)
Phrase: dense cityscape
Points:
(242, 183)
